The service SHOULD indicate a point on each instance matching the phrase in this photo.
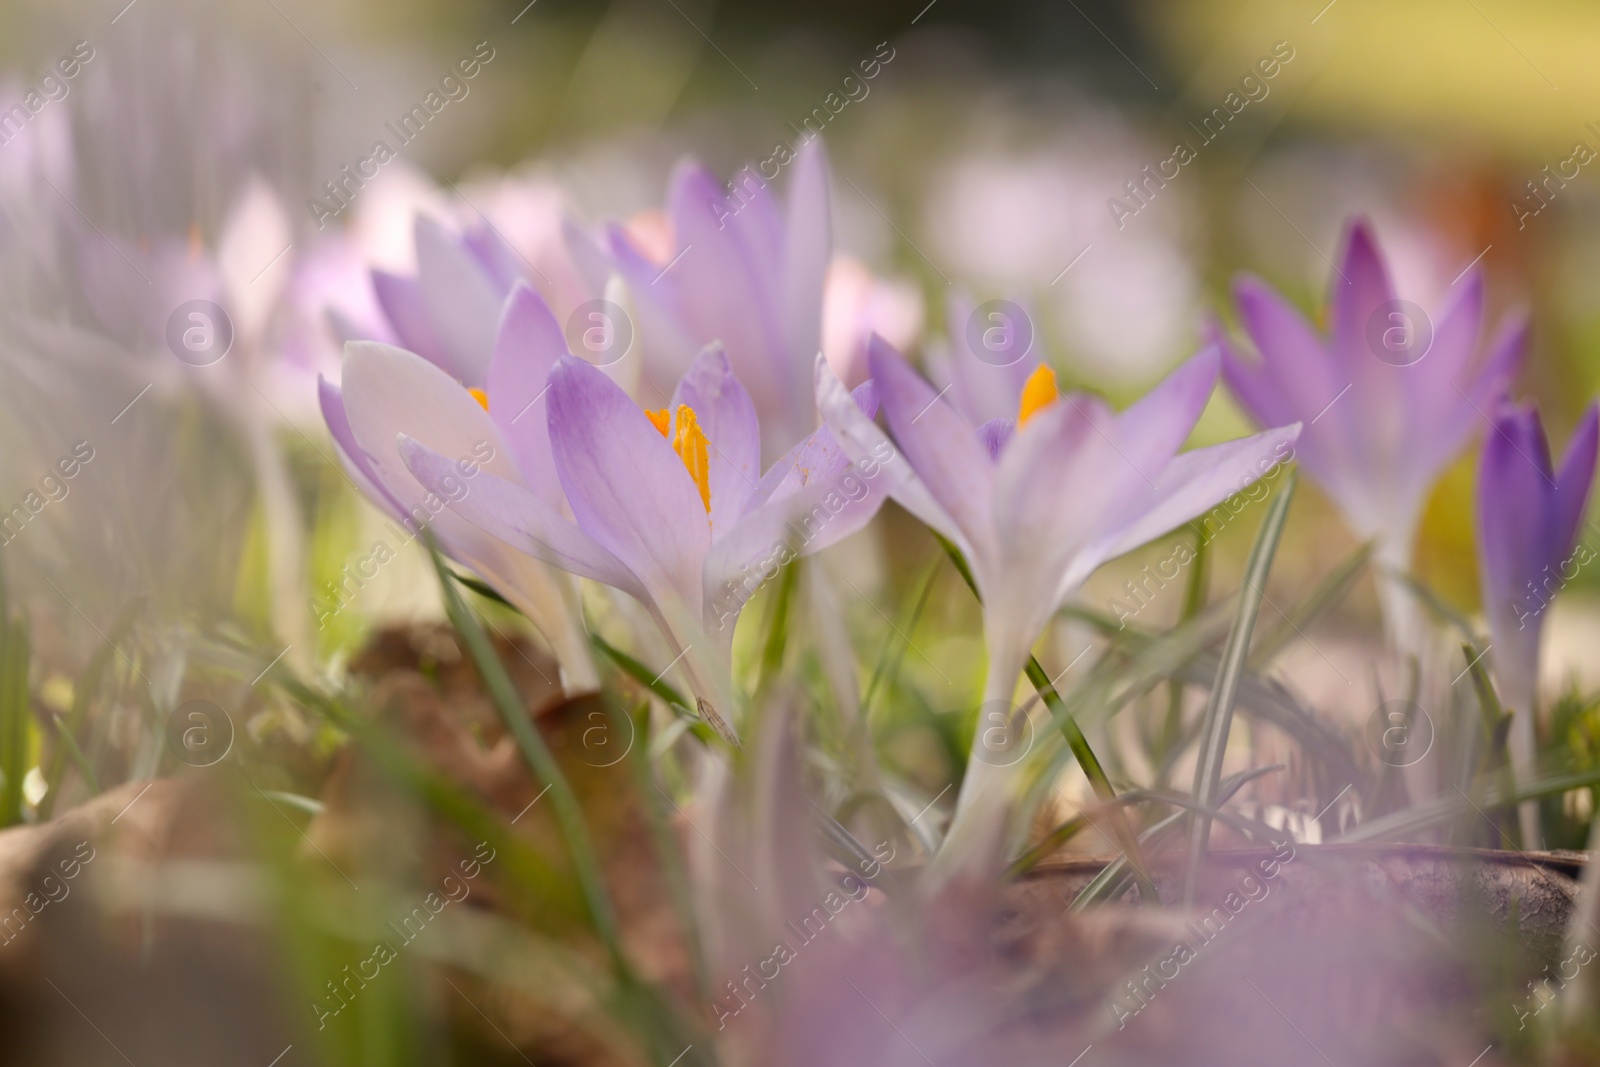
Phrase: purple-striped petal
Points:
(628, 489)
(463, 303)
(526, 347)
(941, 446)
(516, 516)
(406, 309)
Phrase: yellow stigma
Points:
(1038, 392)
(661, 420)
(481, 397)
(691, 445)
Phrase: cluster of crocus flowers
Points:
(1037, 502)
(669, 506)
(1529, 517)
(1389, 398)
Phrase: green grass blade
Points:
(16, 719)
(1194, 601)
(778, 615)
(1492, 796)
(503, 693)
(1219, 707)
(69, 745)
(1111, 882)
(895, 646)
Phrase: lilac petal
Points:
(1456, 331)
(1192, 484)
(519, 518)
(589, 259)
(463, 303)
(351, 457)
(1502, 361)
(1575, 479)
(982, 389)
(814, 516)
(871, 450)
(403, 305)
(996, 434)
(726, 292)
(728, 417)
(1356, 291)
(820, 455)
(1295, 360)
(389, 392)
(669, 350)
(527, 346)
(1516, 539)
(1057, 485)
(1159, 423)
(941, 446)
(1248, 380)
(808, 248)
(627, 488)
(499, 260)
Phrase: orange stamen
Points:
(692, 447)
(661, 420)
(481, 397)
(1038, 392)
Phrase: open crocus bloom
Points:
(387, 391)
(1037, 505)
(1529, 514)
(667, 505)
(1417, 391)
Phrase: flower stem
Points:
(1120, 833)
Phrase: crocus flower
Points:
(1529, 514)
(1417, 392)
(495, 431)
(1037, 503)
(743, 273)
(668, 506)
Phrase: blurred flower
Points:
(1016, 220)
(1417, 392)
(1036, 504)
(857, 304)
(1528, 519)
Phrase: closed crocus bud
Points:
(1529, 515)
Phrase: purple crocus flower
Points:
(1038, 504)
(668, 506)
(741, 272)
(1417, 391)
(1529, 514)
(498, 431)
